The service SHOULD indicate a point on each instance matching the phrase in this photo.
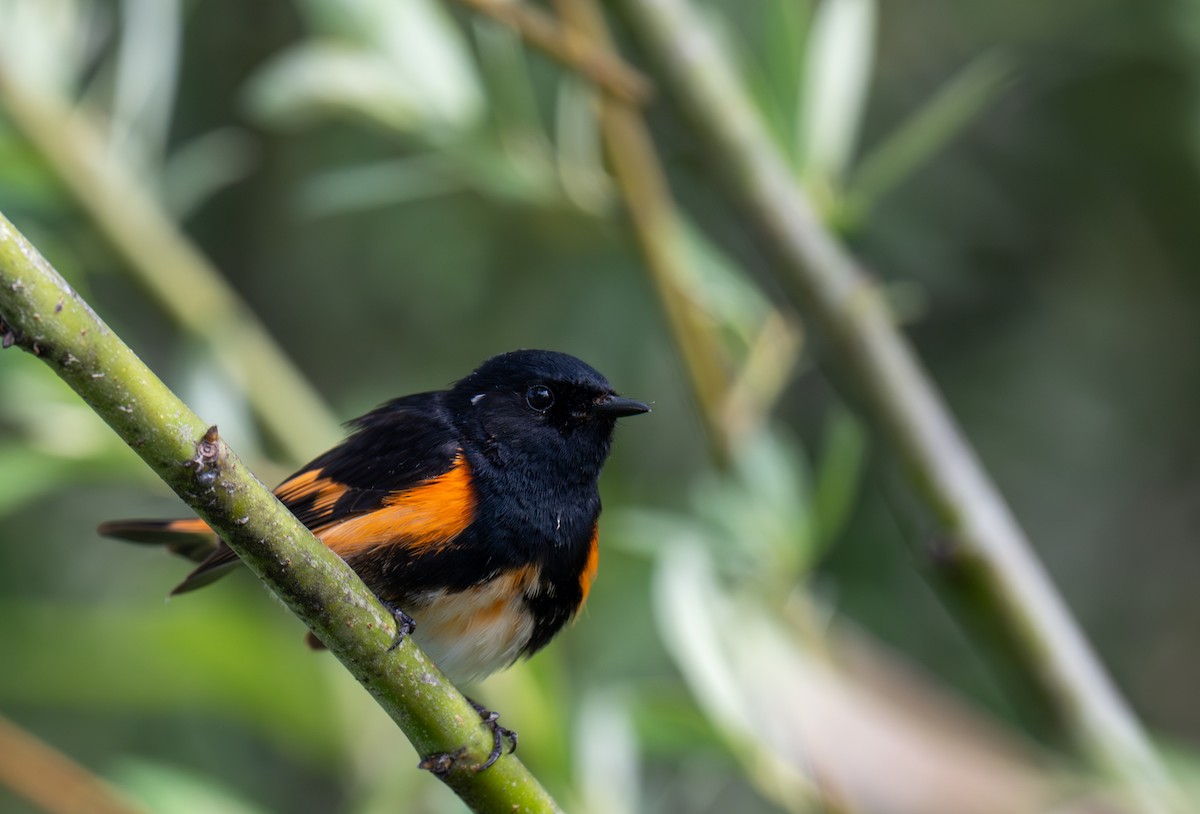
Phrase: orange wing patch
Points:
(323, 492)
(429, 516)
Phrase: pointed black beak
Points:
(618, 407)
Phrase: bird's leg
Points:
(404, 624)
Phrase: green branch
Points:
(41, 314)
(865, 350)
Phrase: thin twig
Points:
(848, 312)
(598, 65)
(41, 314)
(656, 223)
(52, 781)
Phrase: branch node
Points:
(206, 447)
(441, 764)
(207, 463)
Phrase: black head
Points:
(541, 408)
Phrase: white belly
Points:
(473, 633)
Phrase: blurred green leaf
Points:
(430, 61)
(199, 168)
(144, 81)
(770, 43)
(839, 476)
(927, 131)
(701, 625)
(607, 755)
(402, 65)
(169, 789)
(523, 138)
(581, 169)
(761, 513)
(48, 43)
(837, 76)
(234, 664)
(382, 183)
(312, 81)
(721, 287)
(756, 519)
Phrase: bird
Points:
(471, 512)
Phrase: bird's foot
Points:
(499, 733)
(404, 624)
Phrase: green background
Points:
(1041, 249)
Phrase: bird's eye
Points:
(539, 398)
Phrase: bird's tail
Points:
(190, 538)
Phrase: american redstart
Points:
(470, 512)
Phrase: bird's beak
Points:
(617, 407)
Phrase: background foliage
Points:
(398, 190)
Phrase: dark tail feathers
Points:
(191, 538)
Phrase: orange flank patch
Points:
(589, 570)
(429, 515)
(323, 491)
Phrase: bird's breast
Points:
(474, 632)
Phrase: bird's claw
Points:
(404, 625)
(492, 721)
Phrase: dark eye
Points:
(539, 398)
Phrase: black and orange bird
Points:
(470, 512)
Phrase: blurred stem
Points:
(597, 64)
(765, 372)
(44, 316)
(865, 349)
(163, 260)
(51, 781)
(656, 224)
(726, 406)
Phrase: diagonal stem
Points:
(52, 781)
(866, 350)
(600, 66)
